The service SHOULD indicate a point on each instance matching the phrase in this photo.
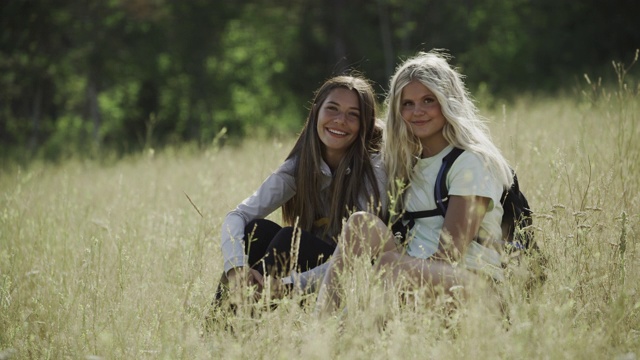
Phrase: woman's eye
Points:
(354, 115)
(429, 100)
(407, 104)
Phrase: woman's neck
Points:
(332, 159)
(432, 148)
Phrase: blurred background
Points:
(120, 76)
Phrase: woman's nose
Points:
(419, 109)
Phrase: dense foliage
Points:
(88, 76)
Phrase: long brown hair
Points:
(352, 174)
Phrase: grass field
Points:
(113, 261)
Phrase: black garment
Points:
(267, 241)
(268, 246)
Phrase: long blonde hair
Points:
(464, 127)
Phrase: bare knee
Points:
(359, 219)
(354, 231)
(362, 234)
(388, 259)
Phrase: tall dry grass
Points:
(115, 262)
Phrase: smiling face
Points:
(338, 124)
(421, 111)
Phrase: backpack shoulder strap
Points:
(440, 190)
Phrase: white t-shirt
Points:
(467, 176)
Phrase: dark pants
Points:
(268, 246)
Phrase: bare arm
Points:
(461, 224)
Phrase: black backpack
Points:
(517, 230)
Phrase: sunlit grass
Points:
(114, 261)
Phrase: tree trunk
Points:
(93, 108)
(339, 47)
(36, 116)
(386, 37)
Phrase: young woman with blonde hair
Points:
(429, 112)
